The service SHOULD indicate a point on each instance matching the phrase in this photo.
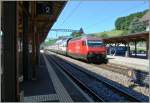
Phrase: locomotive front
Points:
(96, 51)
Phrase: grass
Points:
(50, 42)
(111, 33)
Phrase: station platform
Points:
(132, 63)
(52, 85)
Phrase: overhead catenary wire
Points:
(72, 12)
(93, 25)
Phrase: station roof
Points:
(43, 17)
(57, 8)
(142, 36)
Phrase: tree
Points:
(125, 32)
(61, 37)
(136, 26)
(77, 34)
(104, 35)
(123, 23)
(118, 23)
(81, 31)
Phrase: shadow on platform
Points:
(42, 85)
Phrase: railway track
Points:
(139, 77)
(87, 90)
(115, 68)
(83, 78)
(119, 69)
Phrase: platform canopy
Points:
(44, 23)
(41, 16)
(25, 25)
(142, 36)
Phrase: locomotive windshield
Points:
(94, 43)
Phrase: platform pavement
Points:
(132, 63)
(50, 87)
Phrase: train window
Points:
(94, 43)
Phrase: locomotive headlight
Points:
(90, 54)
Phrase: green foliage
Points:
(122, 23)
(124, 26)
(81, 31)
(104, 35)
(136, 26)
(61, 37)
(118, 23)
(50, 42)
(107, 34)
(77, 34)
(124, 33)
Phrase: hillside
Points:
(108, 33)
(122, 25)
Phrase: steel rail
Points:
(137, 75)
(90, 92)
(120, 91)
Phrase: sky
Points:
(94, 15)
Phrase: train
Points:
(90, 49)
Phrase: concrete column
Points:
(33, 56)
(115, 50)
(33, 5)
(37, 49)
(109, 49)
(25, 44)
(128, 50)
(125, 44)
(147, 48)
(9, 70)
(135, 44)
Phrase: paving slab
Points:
(132, 63)
(52, 85)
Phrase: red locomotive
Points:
(87, 48)
(90, 49)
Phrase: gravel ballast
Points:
(112, 76)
